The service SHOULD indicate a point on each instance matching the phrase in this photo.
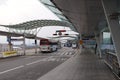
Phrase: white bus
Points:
(47, 45)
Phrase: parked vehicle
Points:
(74, 45)
(47, 45)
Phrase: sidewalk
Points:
(84, 66)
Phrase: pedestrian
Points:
(95, 48)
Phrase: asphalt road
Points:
(34, 66)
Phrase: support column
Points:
(35, 45)
(110, 7)
(98, 41)
(24, 50)
(9, 43)
(81, 44)
(101, 37)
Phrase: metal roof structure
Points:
(84, 15)
(10, 34)
(30, 36)
(57, 12)
(30, 28)
(36, 24)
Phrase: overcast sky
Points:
(18, 11)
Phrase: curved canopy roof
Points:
(29, 28)
(57, 12)
(36, 24)
(85, 15)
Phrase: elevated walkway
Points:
(83, 66)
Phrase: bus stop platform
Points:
(83, 66)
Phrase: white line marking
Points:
(65, 53)
(45, 59)
(62, 53)
(51, 59)
(11, 69)
(33, 62)
(70, 53)
(30, 57)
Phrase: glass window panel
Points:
(106, 38)
(107, 42)
(47, 1)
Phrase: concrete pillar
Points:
(9, 43)
(101, 37)
(98, 41)
(35, 45)
(81, 45)
(24, 50)
(110, 7)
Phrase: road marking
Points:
(11, 69)
(39, 60)
(62, 53)
(30, 57)
(33, 62)
(70, 53)
(52, 59)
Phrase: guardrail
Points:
(112, 61)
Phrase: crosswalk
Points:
(62, 52)
(60, 55)
(66, 52)
(55, 59)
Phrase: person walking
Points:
(95, 48)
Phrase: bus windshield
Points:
(44, 42)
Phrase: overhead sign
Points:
(61, 31)
(13, 39)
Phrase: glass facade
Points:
(108, 42)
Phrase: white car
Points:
(74, 45)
